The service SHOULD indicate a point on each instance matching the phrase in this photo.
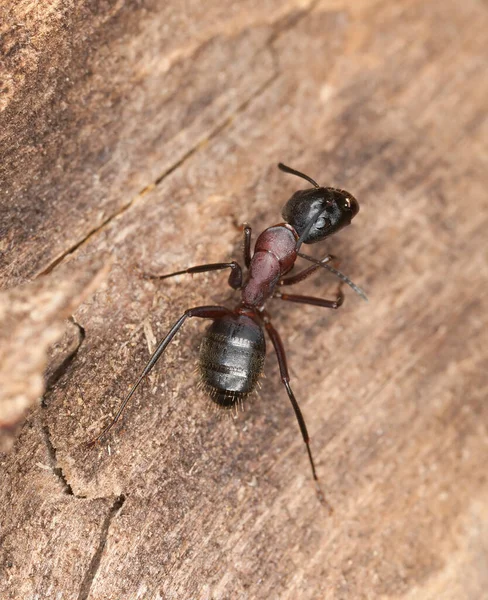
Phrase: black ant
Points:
(233, 350)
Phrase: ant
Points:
(233, 350)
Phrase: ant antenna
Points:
(286, 169)
(338, 274)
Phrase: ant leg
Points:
(203, 312)
(285, 378)
(301, 275)
(311, 300)
(247, 244)
(337, 273)
(235, 277)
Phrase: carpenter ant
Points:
(233, 350)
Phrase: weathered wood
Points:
(384, 99)
(125, 91)
(33, 333)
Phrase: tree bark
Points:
(137, 137)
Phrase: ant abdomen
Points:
(232, 356)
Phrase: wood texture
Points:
(34, 335)
(147, 132)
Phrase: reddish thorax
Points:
(274, 255)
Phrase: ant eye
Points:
(320, 223)
(348, 203)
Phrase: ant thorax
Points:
(274, 255)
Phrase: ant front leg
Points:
(301, 275)
(235, 277)
(203, 312)
(247, 244)
(337, 273)
(285, 378)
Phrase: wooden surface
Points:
(139, 136)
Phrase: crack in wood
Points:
(292, 21)
(58, 471)
(159, 179)
(276, 33)
(56, 375)
(51, 381)
(94, 565)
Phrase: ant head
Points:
(319, 212)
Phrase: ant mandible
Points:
(233, 350)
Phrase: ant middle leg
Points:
(203, 312)
(235, 277)
(312, 300)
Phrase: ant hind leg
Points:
(285, 378)
(203, 312)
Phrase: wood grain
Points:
(34, 335)
(164, 140)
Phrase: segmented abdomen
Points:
(231, 358)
